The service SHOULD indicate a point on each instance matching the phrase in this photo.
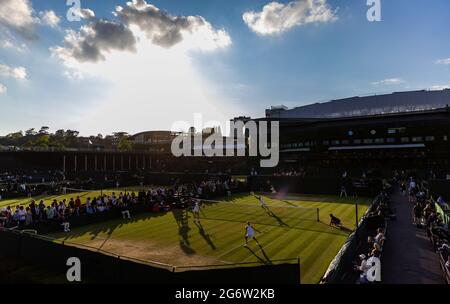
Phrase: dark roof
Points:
(399, 102)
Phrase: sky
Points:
(132, 66)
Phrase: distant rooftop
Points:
(397, 102)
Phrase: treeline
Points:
(65, 139)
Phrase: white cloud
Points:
(101, 36)
(440, 87)
(443, 61)
(388, 81)
(148, 80)
(2, 89)
(151, 88)
(10, 72)
(17, 15)
(86, 13)
(276, 17)
(165, 30)
(9, 45)
(95, 40)
(73, 74)
(50, 18)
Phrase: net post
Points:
(318, 215)
(356, 215)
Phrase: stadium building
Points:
(381, 132)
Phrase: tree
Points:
(125, 145)
(60, 133)
(43, 141)
(15, 135)
(44, 130)
(71, 138)
(30, 132)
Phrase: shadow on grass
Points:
(277, 218)
(205, 235)
(182, 218)
(264, 259)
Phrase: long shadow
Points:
(326, 199)
(182, 219)
(346, 229)
(265, 224)
(107, 227)
(289, 203)
(338, 228)
(265, 259)
(205, 235)
(272, 214)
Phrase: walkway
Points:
(408, 256)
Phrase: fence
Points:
(105, 267)
(340, 270)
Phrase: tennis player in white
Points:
(196, 211)
(261, 201)
(250, 233)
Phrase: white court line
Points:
(234, 248)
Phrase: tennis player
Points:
(196, 211)
(250, 233)
(261, 201)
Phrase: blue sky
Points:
(241, 73)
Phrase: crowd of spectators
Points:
(425, 215)
(373, 257)
(156, 199)
(301, 172)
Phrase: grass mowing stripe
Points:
(315, 242)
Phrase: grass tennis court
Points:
(287, 229)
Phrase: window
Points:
(350, 133)
(368, 141)
(300, 144)
(396, 130)
(326, 142)
(373, 132)
(345, 142)
(430, 138)
(404, 139)
(379, 140)
(390, 140)
(357, 141)
(336, 142)
(445, 138)
(417, 139)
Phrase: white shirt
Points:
(250, 231)
(379, 238)
(261, 201)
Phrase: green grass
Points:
(285, 232)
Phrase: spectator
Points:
(417, 214)
(376, 251)
(379, 238)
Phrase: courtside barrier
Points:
(340, 270)
(105, 267)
